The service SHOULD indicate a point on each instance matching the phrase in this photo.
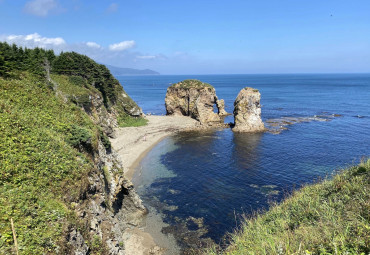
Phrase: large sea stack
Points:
(247, 111)
(195, 99)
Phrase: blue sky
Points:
(199, 37)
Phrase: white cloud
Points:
(146, 57)
(112, 8)
(122, 46)
(34, 40)
(93, 45)
(116, 54)
(40, 7)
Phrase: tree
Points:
(4, 66)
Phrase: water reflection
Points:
(246, 152)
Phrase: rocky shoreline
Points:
(189, 106)
(131, 145)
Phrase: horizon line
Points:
(299, 73)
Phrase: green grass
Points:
(47, 144)
(331, 217)
(75, 89)
(125, 120)
(192, 84)
(39, 163)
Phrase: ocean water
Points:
(201, 182)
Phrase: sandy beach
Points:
(132, 144)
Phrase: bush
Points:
(105, 140)
(78, 136)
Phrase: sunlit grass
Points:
(129, 121)
(39, 163)
(331, 217)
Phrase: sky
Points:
(199, 37)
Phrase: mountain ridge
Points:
(122, 71)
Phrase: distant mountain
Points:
(116, 71)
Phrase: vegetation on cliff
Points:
(48, 141)
(331, 217)
(187, 84)
(82, 72)
(39, 163)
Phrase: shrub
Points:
(105, 140)
(78, 136)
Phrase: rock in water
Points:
(221, 107)
(247, 111)
(193, 98)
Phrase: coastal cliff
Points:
(247, 111)
(62, 183)
(195, 99)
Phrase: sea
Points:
(202, 184)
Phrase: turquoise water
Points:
(213, 177)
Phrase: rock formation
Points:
(221, 107)
(195, 99)
(111, 206)
(247, 111)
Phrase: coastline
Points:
(132, 144)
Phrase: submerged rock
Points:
(247, 111)
(276, 126)
(195, 99)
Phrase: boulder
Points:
(247, 111)
(193, 98)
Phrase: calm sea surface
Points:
(204, 181)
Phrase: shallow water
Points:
(203, 181)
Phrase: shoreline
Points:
(131, 171)
(132, 144)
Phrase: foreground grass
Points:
(331, 217)
(39, 164)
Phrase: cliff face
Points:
(61, 182)
(195, 99)
(109, 204)
(247, 111)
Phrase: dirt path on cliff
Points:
(131, 144)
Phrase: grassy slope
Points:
(331, 217)
(39, 163)
(79, 90)
(46, 144)
(81, 71)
